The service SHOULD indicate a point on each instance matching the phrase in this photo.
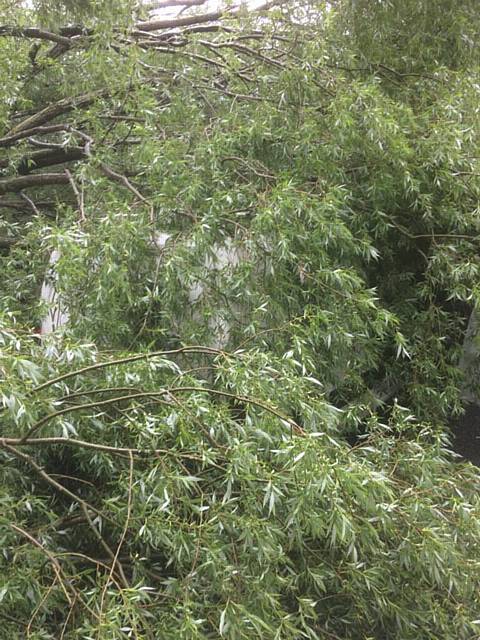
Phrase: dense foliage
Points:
(315, 166)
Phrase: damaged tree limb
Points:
(17, 183)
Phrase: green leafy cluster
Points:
(316, 170)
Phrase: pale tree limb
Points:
(78, 194)
(30, 203)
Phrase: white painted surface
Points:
(57, 316)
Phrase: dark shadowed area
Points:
(466, 434)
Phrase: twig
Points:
(128, 360)
(110, 173)
(84, 444)
(113, 557)
(45, 476)
(156, 394)
(118, 177)
(431, 236)
(100, 563)
(53, 561)
(78, 195)
(65, 624)
(30, 203)
(122, 538)
(40, 604)
(91, 405)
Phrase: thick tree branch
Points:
(9, 141)
(53, 110)
(46, 158)
(33, 32)
(212, 16)
(18, 183)
(19, 205)
(63, 39)
(157, 25)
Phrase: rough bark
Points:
(18, 183)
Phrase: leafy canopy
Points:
(315, 167)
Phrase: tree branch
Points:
(55, 109)
(8, 141)
(53, 561)
(93, 446)
(46, 477)
(33, 32)
(46, 158)
(212, 16)
(18, 183)
(129, 359)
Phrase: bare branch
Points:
(33, 32)
(115, 561)
(212, 16)
(157, 395)
(46, 158)
(8, 141)
(55, 109)
(78, 195)
(94, 446)
(30, 203)
(118, 177)
(113, 557)
(142, 356)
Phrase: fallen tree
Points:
(296, 479)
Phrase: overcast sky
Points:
(209, 5)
